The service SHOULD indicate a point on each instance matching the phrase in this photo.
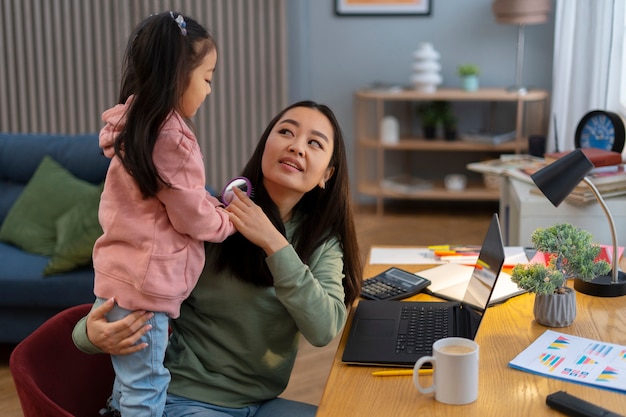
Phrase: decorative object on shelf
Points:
(600, 129)
(455, 182)
(571, 254)
(536, 145)
(389, 130)
(556, 181)
(469, 76)
(426, 68)
(521, 13)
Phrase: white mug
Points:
(455, 371)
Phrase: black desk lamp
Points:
(556, 181)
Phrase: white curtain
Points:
(588, 69)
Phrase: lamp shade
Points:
(557, 180)
(521, 12)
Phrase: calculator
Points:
(393, 284)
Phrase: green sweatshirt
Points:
(235, 343)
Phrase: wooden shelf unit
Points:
(370, 107)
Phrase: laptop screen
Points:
(488, 266)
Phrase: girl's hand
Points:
(250, 220)
(120, 337)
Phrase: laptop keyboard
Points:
(420, 327)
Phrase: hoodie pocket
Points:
(165, 276)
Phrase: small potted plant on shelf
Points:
(469, 76)
(571, 254)
(430, 117)
(449, 122)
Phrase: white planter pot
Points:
(555, 310)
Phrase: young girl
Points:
(154, 210)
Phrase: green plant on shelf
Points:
(466, 70)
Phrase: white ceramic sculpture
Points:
(426, 68)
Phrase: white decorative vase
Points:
(555, 310)
(426, 68)
(390, 130)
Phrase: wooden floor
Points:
(417, 224)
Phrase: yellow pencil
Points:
(401, 372)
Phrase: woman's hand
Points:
(250, 220)
(120, 337)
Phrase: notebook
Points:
(398, 333)
(449, 281)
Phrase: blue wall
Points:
(331, 56)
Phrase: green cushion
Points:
(31, 222)
(77, 231)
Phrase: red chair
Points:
(53, 378)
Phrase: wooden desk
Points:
(506, 330)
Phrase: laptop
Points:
(398, 333)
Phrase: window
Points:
(622, 93)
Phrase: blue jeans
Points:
(182, 407)
(141, 380)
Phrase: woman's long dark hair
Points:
(325, 213)
(157, 69)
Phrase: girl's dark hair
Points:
(157, 68)
(325, 213)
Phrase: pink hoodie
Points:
(152, 252)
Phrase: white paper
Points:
(424, 256)
(402, 256)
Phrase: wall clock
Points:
(600, 129)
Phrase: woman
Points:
(292, 269)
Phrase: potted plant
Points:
(571, 254)
(469, 76)
(430, 117)
(449, 122)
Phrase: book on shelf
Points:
(406, 184)
(598, 157)
(492, 137)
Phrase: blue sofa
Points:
(28, 297)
